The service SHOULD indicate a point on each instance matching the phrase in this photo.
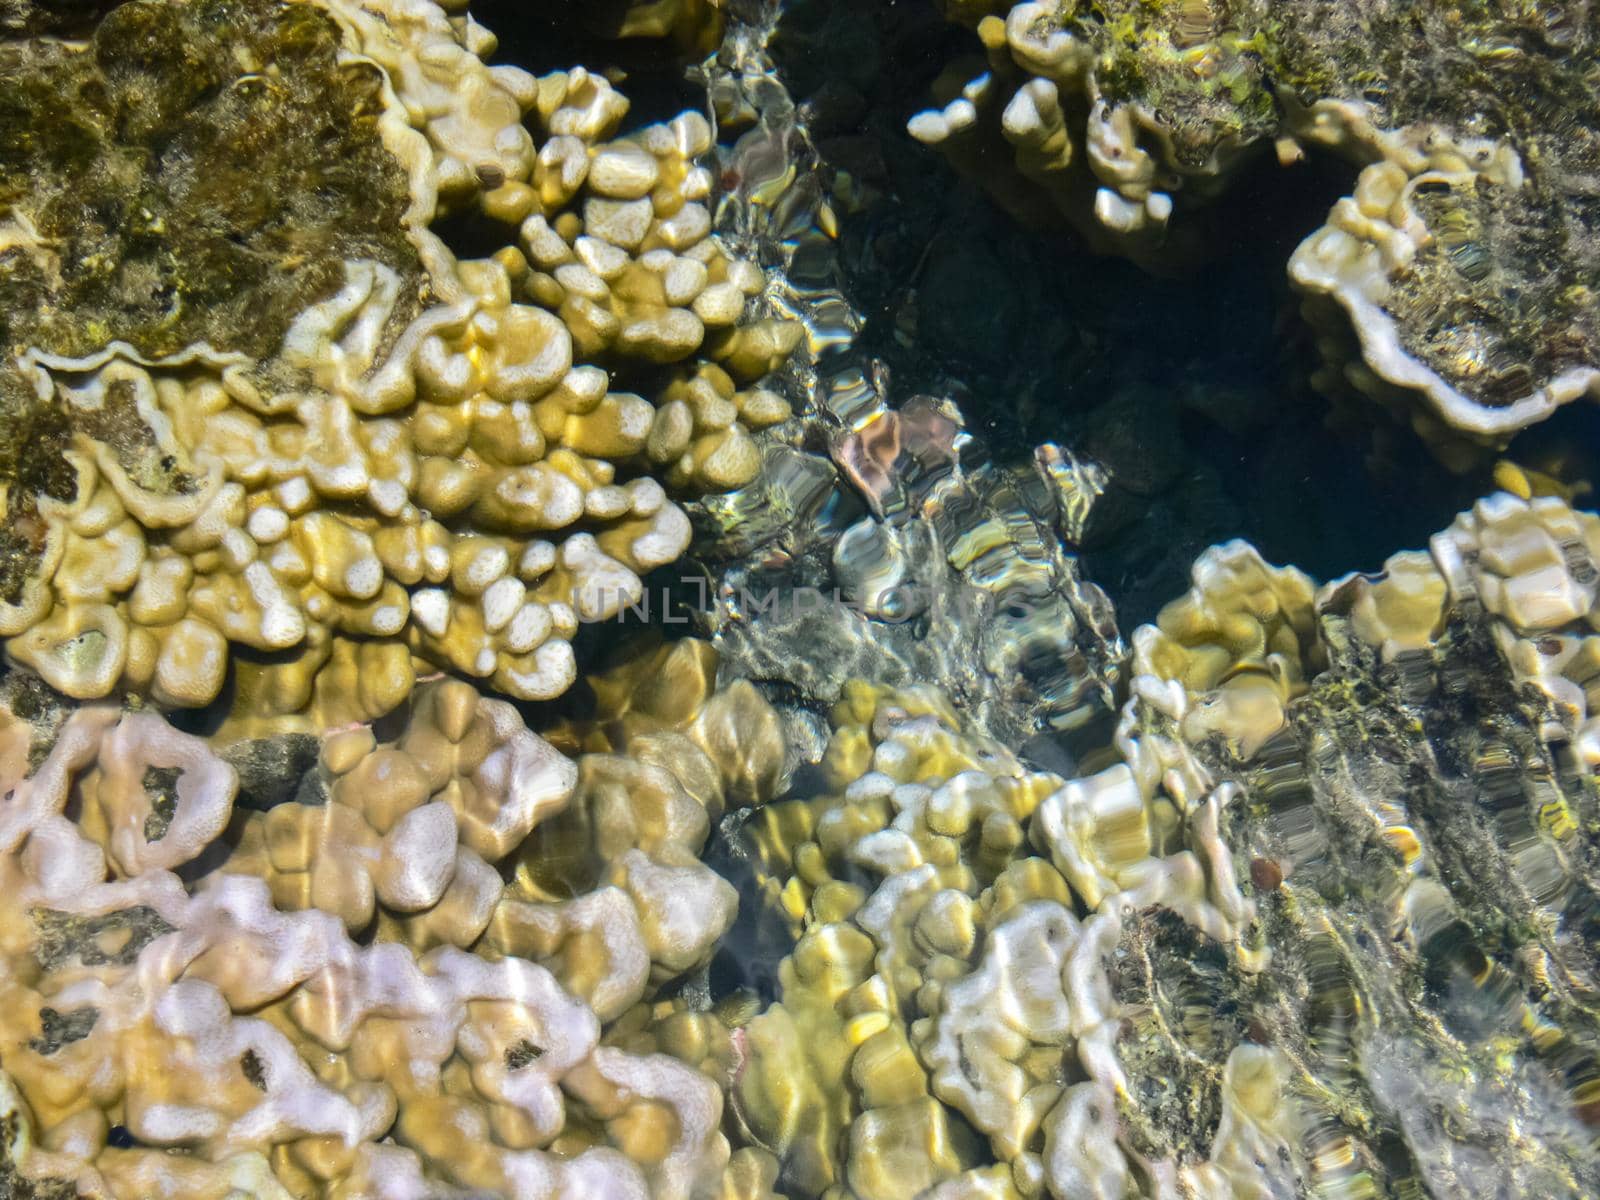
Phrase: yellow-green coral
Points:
(953, 910)
(391, 482)
(1453, 287)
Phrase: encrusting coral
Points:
(1149, 979)
(948, 987)
(1152, 980)
(416, 826)
(1415, 852)
(1464, 263)
(613, 889)
(411, 458)
(188, 1013)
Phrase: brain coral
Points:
(1465, 264)
(261, 415)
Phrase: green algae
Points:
(1186, 63)
(195, 172)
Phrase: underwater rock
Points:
(1464, 265)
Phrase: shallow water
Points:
(925, 777)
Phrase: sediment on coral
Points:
(409, 459)
(1455, 286)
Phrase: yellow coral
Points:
(392, 487)
(233, 1026)
(942, 966)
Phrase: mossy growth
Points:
(161, 786)
(113, 937)
(57, 1029)
(33, 436)
(1187, 1008)
(1189, 63)
(13, 1183)
(195, 172)
(1505, 295)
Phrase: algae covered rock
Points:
(190, 173)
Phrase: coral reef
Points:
(185, 1022)
(1413, 835)
(1464, 264)
(1180, 1034)
(914, 881)
(410, 457)
(1206, 968)
(955, 1011)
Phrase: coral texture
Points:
(1155, 979)
(952, 1009)
(916, 882)
(409, 457)
(189, 1023)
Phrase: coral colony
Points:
(503, 697)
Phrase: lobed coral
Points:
(1153, 979)
(190, 1013)
(1532, 567)
(1464, 263)
(413, 458)
(416, 826)
(1112, 110)
(946, 1024)
(1417, 866)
